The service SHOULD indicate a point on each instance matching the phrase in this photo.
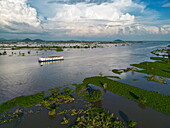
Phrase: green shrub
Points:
(65, 121)
(52, 112)
(132, 123)
(59, 49)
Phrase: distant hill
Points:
(118, 40)
(24, 40)
(29, 40)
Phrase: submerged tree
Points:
(169, 55)
(101, 74)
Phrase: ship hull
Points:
(51, 58)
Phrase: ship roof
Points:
(51, 56)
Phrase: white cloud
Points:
(165, 29)
(15, 15)
(78, 18)
(91, 19)
(101, 20)
(166, 5)
(84, 12)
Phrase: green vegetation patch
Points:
(22, 101)
(52, 112)
(165, 60)
(59, 49)
(132, 123)
(97, 118)
(162, 52)
(161, 67)
(136, 79)
(56, 98)
(86, 116)
(65, 121)
(120, 71)
(156, 79)
(88, 93)
(149, 98)
(10, 116)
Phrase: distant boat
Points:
(50, 58)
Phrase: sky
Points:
(91, 20)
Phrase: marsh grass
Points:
(97, 118)
(85, 116)
(88, 93)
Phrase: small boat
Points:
(50, 58)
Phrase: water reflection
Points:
(142, 106)
(51, 117)
(123, 116)
(97, 104)
(133, 73)
(134, 95)
(104, 90)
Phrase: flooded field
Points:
(23, 75)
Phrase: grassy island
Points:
(149, 98)
(161, 67)
(155, 79)
(22, 101)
